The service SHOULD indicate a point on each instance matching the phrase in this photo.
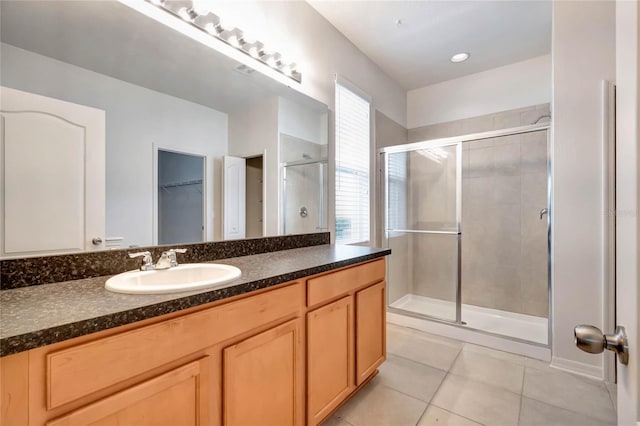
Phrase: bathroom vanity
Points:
(299, 333)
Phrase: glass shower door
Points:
(422, 227)
(304, 197)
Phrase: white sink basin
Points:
(190, 276)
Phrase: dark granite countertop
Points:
(40, 315)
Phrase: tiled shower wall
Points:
(504, 244)
(303, 186)
(504, 250)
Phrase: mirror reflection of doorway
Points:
(180, 198)
(254, 194)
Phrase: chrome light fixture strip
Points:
(210, 24)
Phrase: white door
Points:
(234, 197)
(52, 155)
(624, 341)
(627, 206)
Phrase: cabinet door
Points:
(263, 378)
(178, 397)
(330, 357)
(370, 330)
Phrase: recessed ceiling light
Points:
(459, 57)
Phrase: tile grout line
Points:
(563, 408)
(491, 385)
(439, 386)
(401, 392)
(524, 375)
(418, 362)
(521, 395)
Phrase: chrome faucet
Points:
(168, 259)
(147, 260)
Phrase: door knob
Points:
(96, 241)
(590, 339)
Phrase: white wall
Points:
(509, 87)
(303, 123)
(583, 52)
(252, 131)
(302, 35)
(136, 119)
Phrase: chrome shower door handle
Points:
(543, 212)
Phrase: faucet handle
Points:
(147, 260)
(171, 253)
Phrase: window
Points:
(352, 167)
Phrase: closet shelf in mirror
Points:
(185, 183)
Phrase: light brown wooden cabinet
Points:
(264, 378)
(330, 357)
(346, 338)
(289, 355)
(370, 330)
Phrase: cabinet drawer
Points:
(81, 370)
(338, 283)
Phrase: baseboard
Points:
(587, 370)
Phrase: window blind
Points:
(352, 167)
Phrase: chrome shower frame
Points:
(458, 141)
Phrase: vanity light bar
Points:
(211, 24)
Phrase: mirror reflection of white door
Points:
(234, 197)
(53, 175)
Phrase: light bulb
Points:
(202, 7)
(272, 62)
(248, 37)
(186, 14)
(290, 69)
(226, 24)
(234, 40)
(254, 51)
(157, 2)
(211, 28)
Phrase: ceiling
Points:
(415, 52)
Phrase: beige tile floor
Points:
(430, 380)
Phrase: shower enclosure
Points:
(304, 196)
(467, 221)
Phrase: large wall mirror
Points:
(118, 131)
